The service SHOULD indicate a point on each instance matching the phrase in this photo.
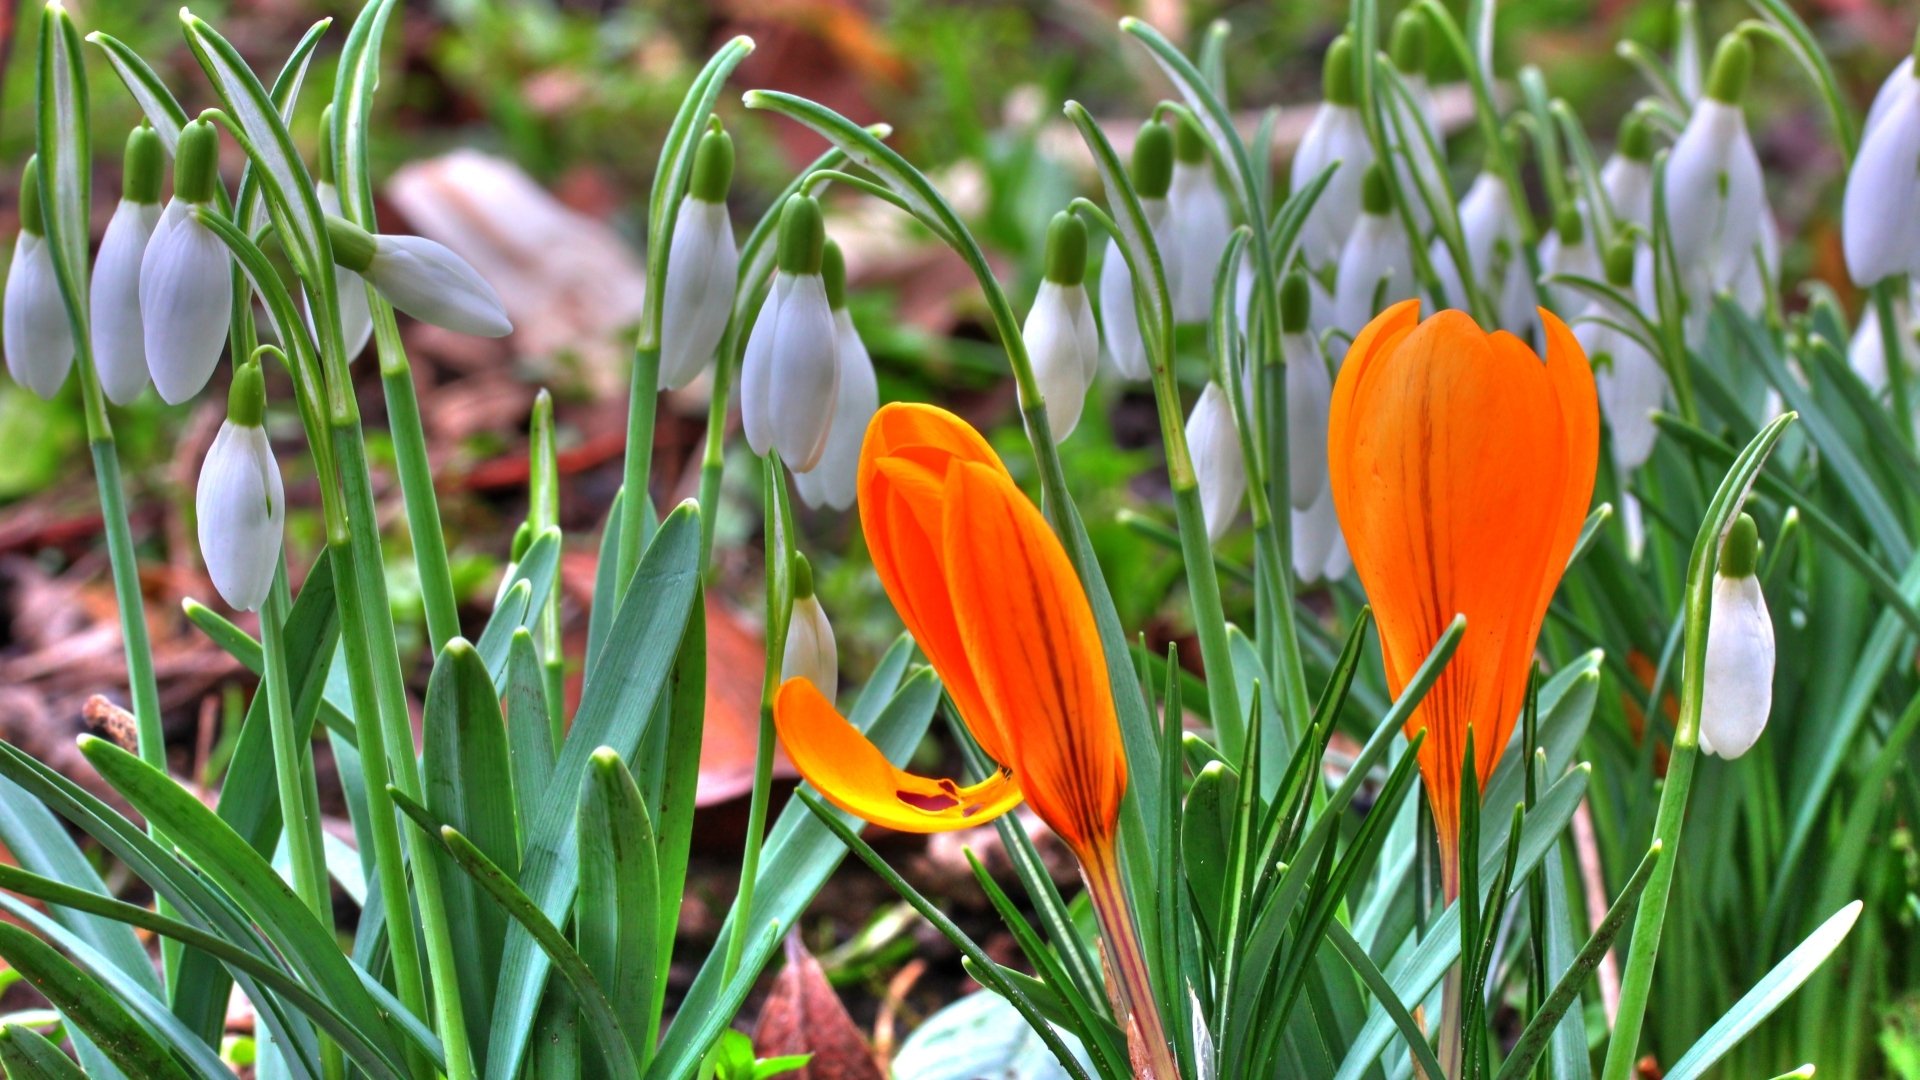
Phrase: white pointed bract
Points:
(119, 339)
(425, 279)
(1200, 226)
(1062, 340)
(36, 334)
(835, 480)
(1338, 134)
(702, 265)
(349, 289)
(240, 501)
(790, 376)
(1879, 225)
(1715, 197)
(1376, 261)
(1737, 690)
(811, 652)
(1214, 443)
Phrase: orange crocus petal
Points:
(1461, 468)
(1025, 621)
(853, 775)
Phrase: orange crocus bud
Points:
(1461, 467)
(988, 593)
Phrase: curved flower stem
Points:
(1135, 1002)
(416, 478)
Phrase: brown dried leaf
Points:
(804, 1016)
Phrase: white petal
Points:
(805, 375)
(1901, 83)
(702, 266)
(1714, 191)
(1631, 384)
(1309, 397)
(811, 653)
(1629, 187)
(1054, 340)
(1375, 253)
(37, 335)
(1214, 443)
(834, 481)
(241, 506)
(1200, 225)
(1634, 523)
(1316, 536)
(185, 303)
(1086, 334)
(756, 367)
(119, 341)
(1738, 687)
(1119, 319)
(425, 279)
(1337, 134)
(1880, 228)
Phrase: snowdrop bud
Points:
(421, 277)
(1309, 395)
(835, 481)
(1715, 198)
(185, 292)
(1376, 262)
(1062, 341)
(1337, 134)
(1627, 177)
(1152, 175)
(1631, 383)
(1738, 688)
(1880, 231)
(1214, 442)
(790, 377)
(1200, 223)
(37, 335)
(356, 315)
(701, 267)
(119, 341)
(811, 653)
(240, 502)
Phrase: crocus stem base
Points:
(1132, 984)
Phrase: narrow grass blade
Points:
(89, 1006)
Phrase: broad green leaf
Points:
(89, 1006)
(39, 843)
(27, 1055)
(678, 781)
(616, 918)
(529, 737)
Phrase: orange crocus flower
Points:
(1461, 467)
(986, 590)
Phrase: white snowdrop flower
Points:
(421, 277)
(185, 288)
(350, 291)
(811, 653)
(1337, 134)
(1569, 250)
(1891, 90)
(1417, 118)
(37, 336)
(1627, 177)
(790, 376)
(1879, 229)
(702, 266)
(1737, 689)
(1493, 251)
(1376, 261)
(240, 503)
(1759, 277)
(1199, 225)
(1867, 351)
(1214, 442)
(1715, 198)
(1309, 396)
(1062, 340)
(1152, 175)
(1631, 382)
(119, 341)
(1319, 548)
(834, 481)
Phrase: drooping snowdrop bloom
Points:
(119, 342)
(1715, 198)
(1879, 228)
(1376, 264)
(240, 502)
(836, 479)
(1337, 134)
(1630, 381)
(1493, 252)
(790, 376)
(1627, 177)
(811, 652)
(1214, 442)
(1759, 277)
(1198, 225)
(1867, 351)
(1738, 686)
(1152, 175)
(421, 277)
(1417, 118)
(1568, 249)
(702, 266)
(37, 335)
(185, 291)
(1062, 340)
(1319, 548)
(1309, 395)
(356, 314)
